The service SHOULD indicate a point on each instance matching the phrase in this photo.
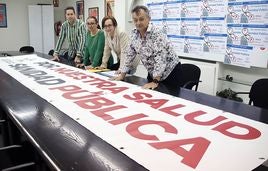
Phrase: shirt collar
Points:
(149, 29)
(75, 21)
(116, 31)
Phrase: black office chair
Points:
(16, 157)
(51, 52)
(258, 94)
(190, 76)
(3, 134)
(27, 49)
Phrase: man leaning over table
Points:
(155, 51)
(74, 30)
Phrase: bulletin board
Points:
(234, 32)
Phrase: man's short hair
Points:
(69, 8)
(137, 9)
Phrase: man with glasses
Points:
(74, 31)
(155, 51)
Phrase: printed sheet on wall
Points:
(234, 32)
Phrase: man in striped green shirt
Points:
(75, 31)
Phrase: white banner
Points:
(158, 131)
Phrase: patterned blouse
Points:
(155, 51)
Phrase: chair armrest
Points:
(20, 167)
(189, 83)
(10, 147)
(241, 93)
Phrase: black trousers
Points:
(174, 79)
(114, 66)
(66, 60)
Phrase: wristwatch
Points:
(155, 81)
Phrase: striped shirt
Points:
(76, 35)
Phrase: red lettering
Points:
(66, 88)
(102, 113)
(169, 109)
(94, 103)
(127, 119)
(81, 94)
(116, 90)
(133, 129)
(154, 103)
(94, 79)
(137, 96)
(103, 83)
(192, 157)
(77, 75)
(71, 73)
(62, 70)
(252, 132)
(191, 118)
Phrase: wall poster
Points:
(3, 16)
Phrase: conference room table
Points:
(62, 149)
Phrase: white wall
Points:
(17, 32)
(120, 7)
(125, 7)
(59, 15)
(95, 3)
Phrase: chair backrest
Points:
(51, 52)
(190, 76)
(26, 49)
(259, 93)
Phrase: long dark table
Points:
(58, 138)
(54, 134)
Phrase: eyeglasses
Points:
(108, 26)
(90, 23)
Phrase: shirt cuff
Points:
(157, 75)
(125, 70)
(104, 66)
(78, 54)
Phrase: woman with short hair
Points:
(116, 42)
